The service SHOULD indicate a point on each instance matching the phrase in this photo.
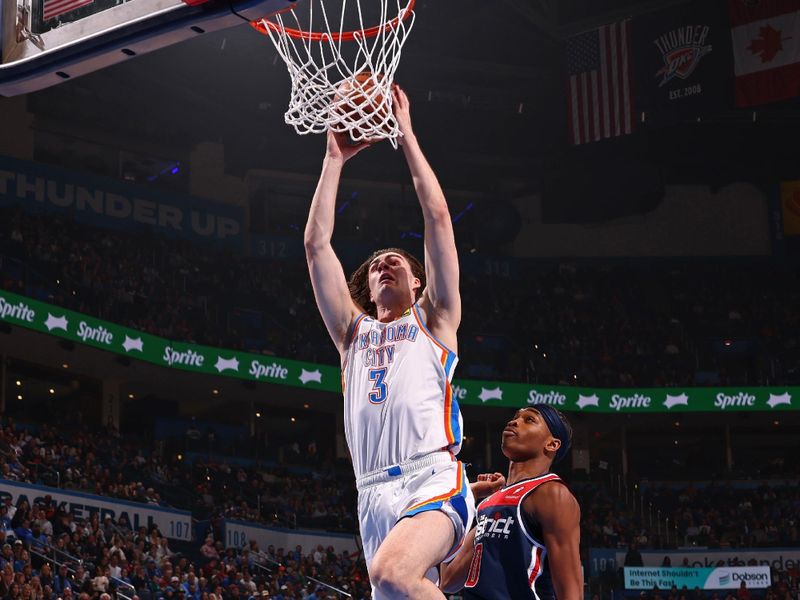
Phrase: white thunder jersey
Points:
(398, 403)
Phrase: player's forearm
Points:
(569, 587)
(452, 578)
(453, 575)
(565, 569)
(430, 194)
(321, 215)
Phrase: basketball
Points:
(361, 108)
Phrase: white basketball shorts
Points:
(434, 482)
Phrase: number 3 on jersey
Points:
(378, 393)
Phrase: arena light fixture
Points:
(19, 383)
(258, 415)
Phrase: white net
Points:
(342, 80)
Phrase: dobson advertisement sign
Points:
(715, 578)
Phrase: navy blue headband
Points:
(557, 429)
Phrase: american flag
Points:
(53, 8)
(600, 96)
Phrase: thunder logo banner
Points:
(683, 62)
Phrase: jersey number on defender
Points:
(475, 566)
(378, 393)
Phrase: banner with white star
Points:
(61, 323)
(80, 328)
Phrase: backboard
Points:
(45, 42)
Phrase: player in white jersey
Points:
(395, 325)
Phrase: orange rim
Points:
(346, 36)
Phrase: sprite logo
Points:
(273, 371)
(619, 402)
(742, 399)
(459, 393)
(188, 357)
(94, 334)
(552, 397)
(20, 312)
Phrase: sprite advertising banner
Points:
(22, 311)
(706, 578)
(70, 325)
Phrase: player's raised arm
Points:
(554, 506)
(327, 276)
(441, 299)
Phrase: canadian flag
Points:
(766, 50)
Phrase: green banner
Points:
(705, 578)
(22, 311)
(626, 400)
(39, 316)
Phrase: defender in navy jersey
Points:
(526, 542)
(394, 324)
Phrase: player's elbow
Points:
(313, 245)
(439, 213)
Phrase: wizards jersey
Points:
(509, 559)
(398, 404)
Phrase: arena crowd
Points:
(612, 323)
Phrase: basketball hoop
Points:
(358, 56)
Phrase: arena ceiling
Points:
(485, 78)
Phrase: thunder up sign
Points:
(112, 204)
(53, 320)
